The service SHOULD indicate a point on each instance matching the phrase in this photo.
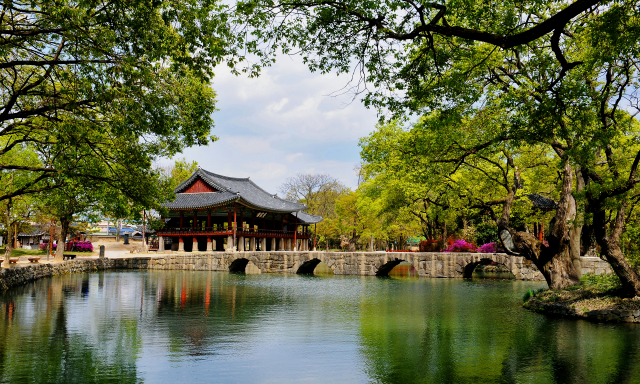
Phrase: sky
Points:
(283, 123)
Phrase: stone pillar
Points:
(194, 247)
(180, 244)
(230, 244)
(102, 251)
(209, 244)
(252, 244)
(273, 244)
(263, 244)
(160, 244)
(241, 244)
(280, 245)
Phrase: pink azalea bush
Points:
(490, 248)
(80, 246)
(461, 245)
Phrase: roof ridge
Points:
(275, 195)
(226, 177)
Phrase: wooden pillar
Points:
(229, 220)
(181, 219)
(195, 219)
(209, 220)
(253, 219)
(295, 234)
(235, 226)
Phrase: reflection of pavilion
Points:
(215, 212)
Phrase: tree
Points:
(319, 192)
(560, 88)
(123, 82)
(179, 172)
(404, 48)
(435, 153)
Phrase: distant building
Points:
(31, 238)
(212, 212)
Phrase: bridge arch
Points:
(243, 265)
(314, 267)
(397, 267)
(469, 264)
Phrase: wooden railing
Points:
(247, 232)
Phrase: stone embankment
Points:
(434, 265)
(625, 313)
(22, 274)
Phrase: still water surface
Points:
(178, 327)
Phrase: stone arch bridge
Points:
(427, 264)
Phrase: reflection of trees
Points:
(450, 331)
(39, 346)
(89, 328)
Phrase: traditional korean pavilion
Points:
(212, 212)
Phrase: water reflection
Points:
(218, 327)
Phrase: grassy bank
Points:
(598, 298)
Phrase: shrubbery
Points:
(461, 245)
(604, 282)
(490, 248)
(80, 246)
(487, 233)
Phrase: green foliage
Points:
(605, 282)
(630, 242)
(180, 172)
(487, 233)
(531, 293)
(98, 91)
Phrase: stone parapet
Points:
(426, 264)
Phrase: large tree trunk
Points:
(8, 247)
(353, 241)
(7, 223)
(554, 261)
(575, 233)
(610, 248)
(64, 228)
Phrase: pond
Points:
(179, 326)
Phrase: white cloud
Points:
(284, 123)
(293, 157)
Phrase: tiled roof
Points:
(32, 232)
(229, 189)
(542, 202)
(307, 218)
(200, 200)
